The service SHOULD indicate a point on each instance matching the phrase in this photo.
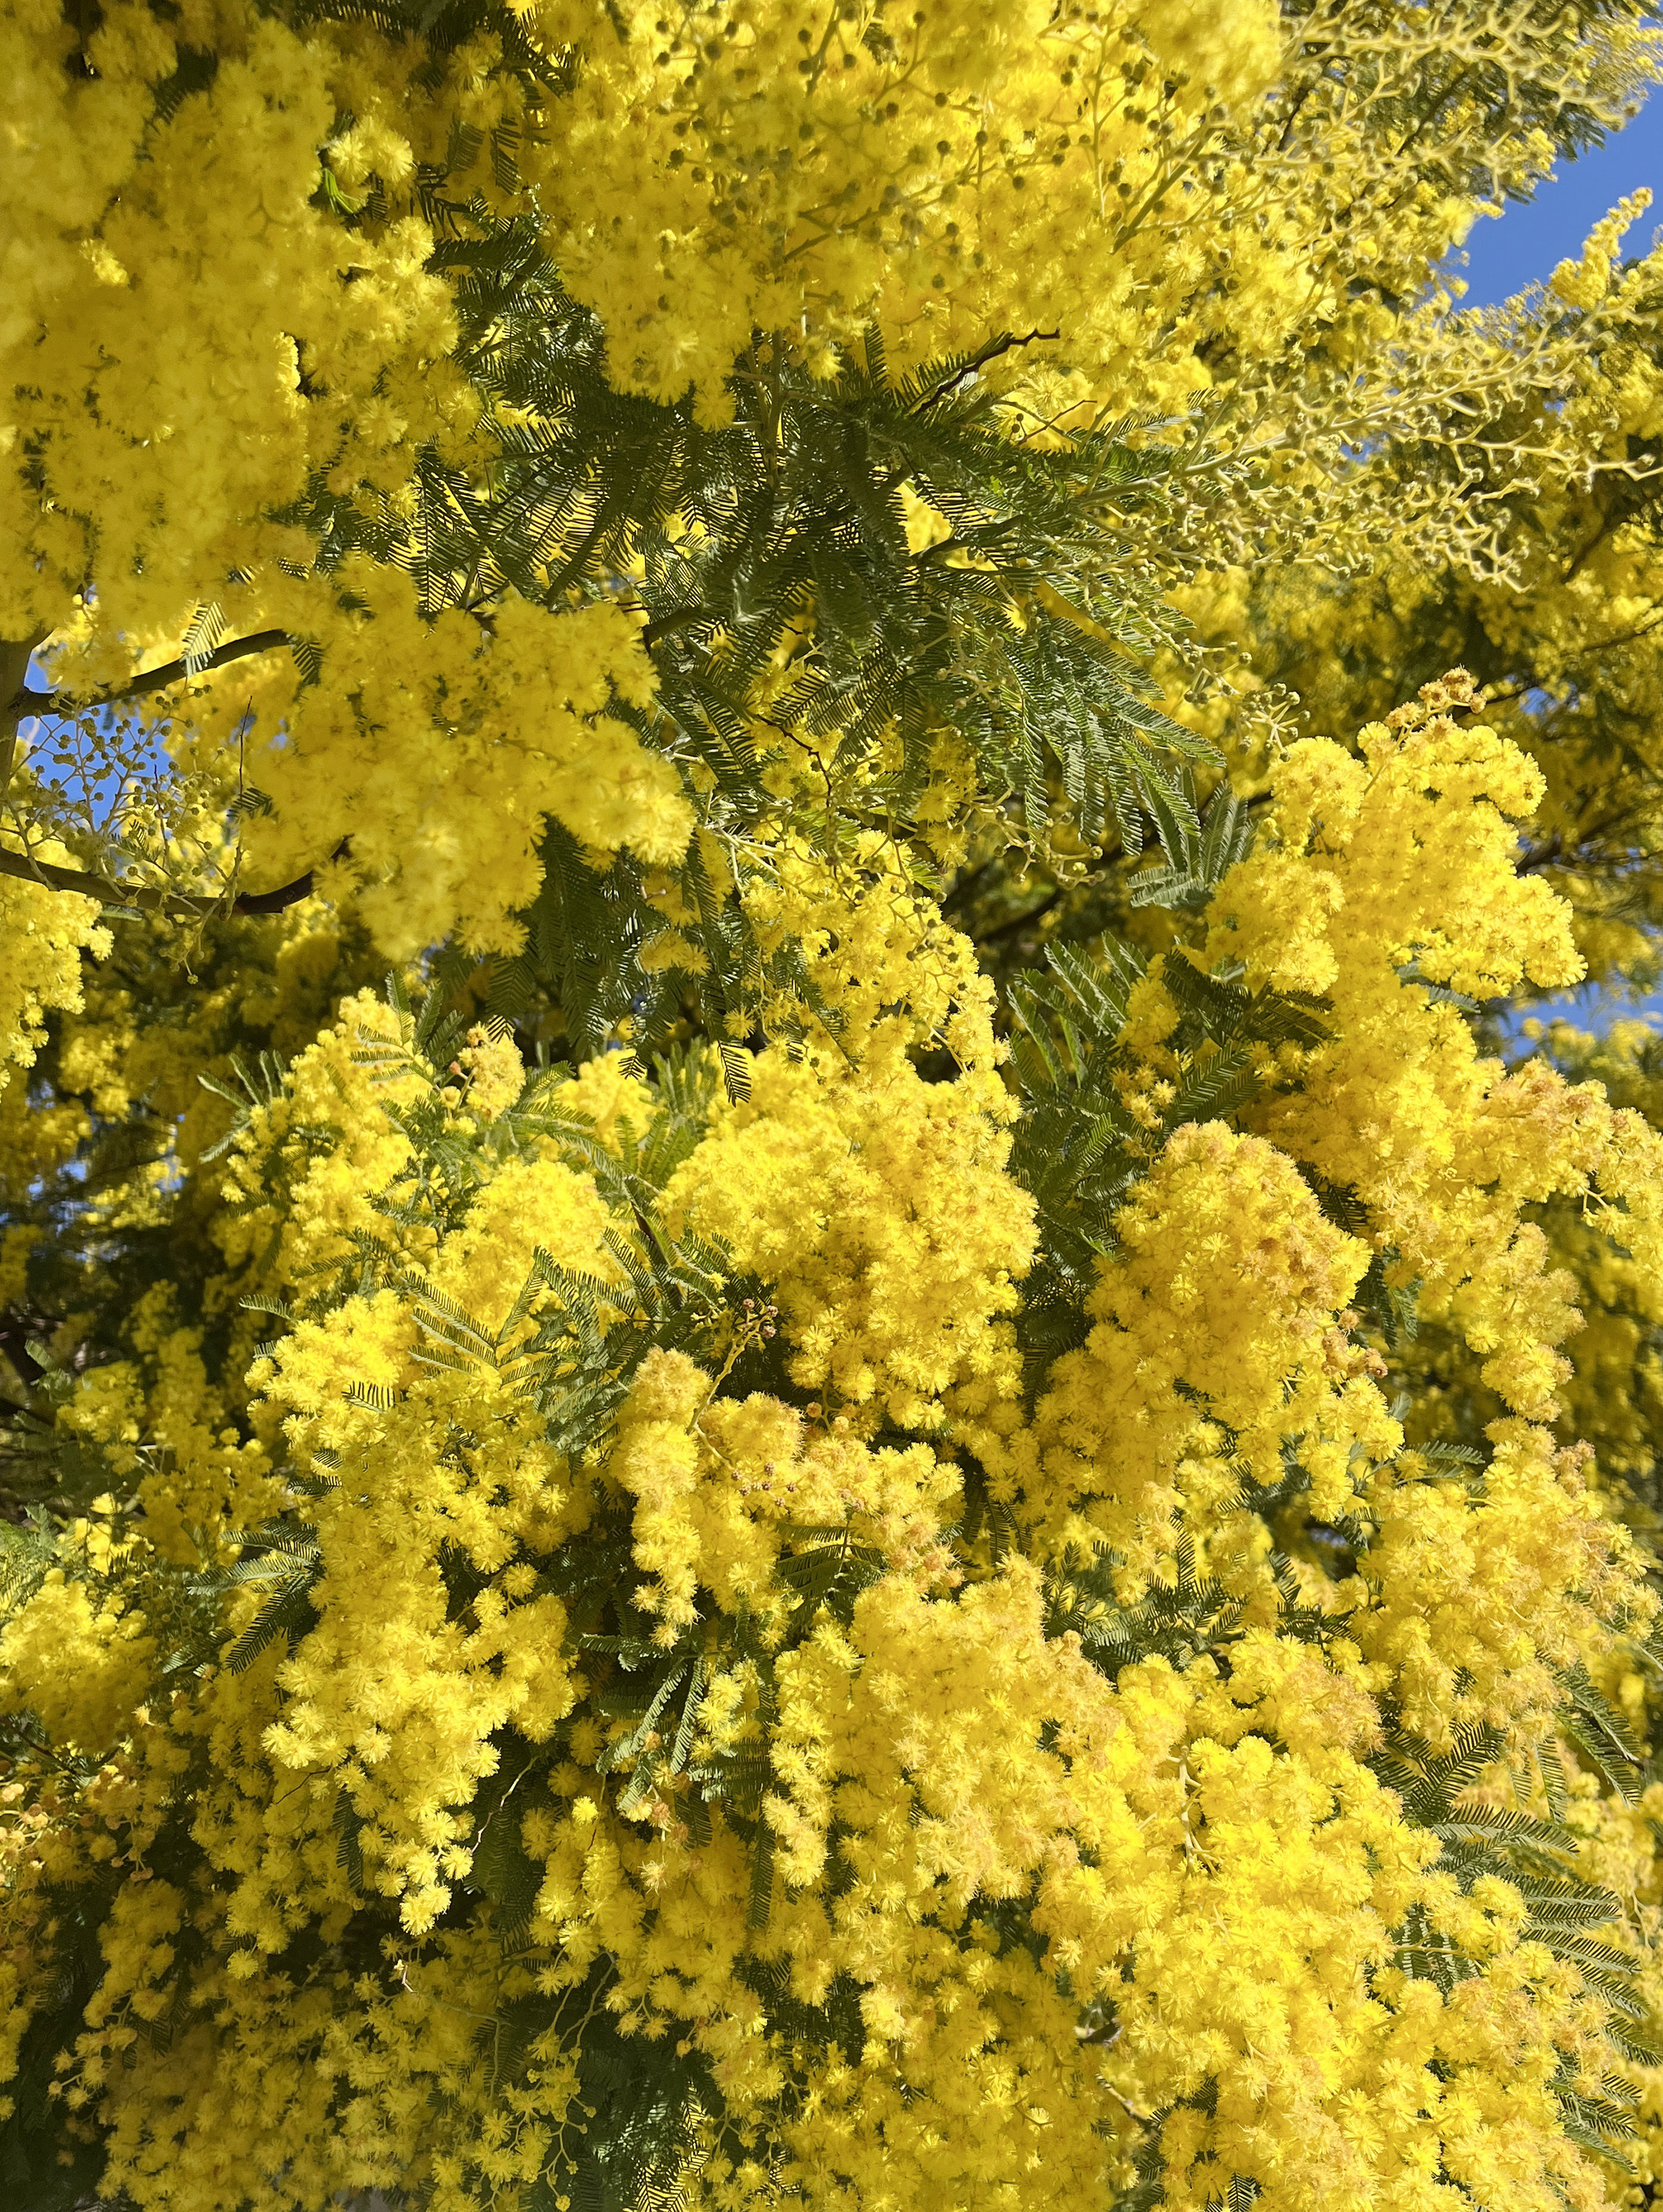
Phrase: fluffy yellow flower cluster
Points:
(260, 308)
(444, 836)
(1611, 1397)
(1418, 886)
(794, 169)
(1021, 1593)
(189, 332)
(945, 1782)
(42, 936)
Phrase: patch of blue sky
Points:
(1587, 1007)
(1525, 245)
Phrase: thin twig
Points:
(978, 362)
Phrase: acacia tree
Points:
(790, 1408)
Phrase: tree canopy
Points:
(816, 1386)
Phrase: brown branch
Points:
(158, 679)
(14, 1347)
(286, 895)
(16, 654)
(175, 905)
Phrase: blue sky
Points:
(1507, 252)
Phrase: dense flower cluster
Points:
(732, 1537)
(44, 935)
(244, 307)
(975, 1837)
